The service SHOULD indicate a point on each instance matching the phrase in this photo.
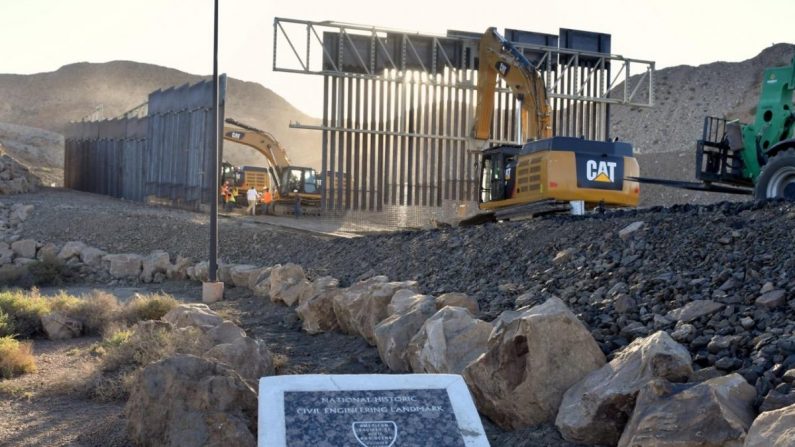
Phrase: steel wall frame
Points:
(398, 107)
(157, 151)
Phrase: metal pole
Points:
(214, 187)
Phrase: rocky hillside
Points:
(38, 149)
(50, 100)
(15, 178)
(684, 95)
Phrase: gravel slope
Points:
(726, 252)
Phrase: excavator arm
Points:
(498, 57)
(259, 140)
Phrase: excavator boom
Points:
(499, 58)
(259, 140)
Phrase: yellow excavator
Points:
(283, 179)
(547, 173)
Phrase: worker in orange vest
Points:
(226, 194)
(267, 199)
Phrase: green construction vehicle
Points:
(760, 155)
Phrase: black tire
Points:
(777, 179)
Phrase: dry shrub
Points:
(97, 311)
(21, 311)
(126, 352)
(149, 307)
(24, 311)
(16, 358)
(48, 272)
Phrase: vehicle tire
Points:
(777, 179)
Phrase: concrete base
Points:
(212, 292)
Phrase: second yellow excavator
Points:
(547, 172)
(283, 179)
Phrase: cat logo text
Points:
(600, 171)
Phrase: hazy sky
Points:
(43, 35)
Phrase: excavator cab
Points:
(498, 173)
(303, 180)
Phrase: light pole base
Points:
(212, 292)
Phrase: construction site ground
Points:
(676, 254)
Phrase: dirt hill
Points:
(50, 100)
(684, 95)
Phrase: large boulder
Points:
(91, 256)
(197, 315)
(25, 248)
(124, 265)
(532, 358)
(224, 273)
(317, 312)
(179, 269)
(324, 285)
(595, 409)
(361, 307)
(403, 300)
(250, 358)
(448, 341)
(187, 400)
(260, 282)
(393, 334)
(226, 332)
(71, 249)
(353, 294)
(773, 429)
(58, 326)
(241, 274)
(459, 300)
(199, 272)
(288, 284)
(156, 262)
(714, 413)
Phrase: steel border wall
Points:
(162, 155)
(398, 109)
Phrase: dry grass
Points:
(16, 358)
(148, 307)
(100, 312)
(117, 359)
(280, 361)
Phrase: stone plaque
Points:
(368, 410)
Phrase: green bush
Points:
(24, 311)
(6, 325)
